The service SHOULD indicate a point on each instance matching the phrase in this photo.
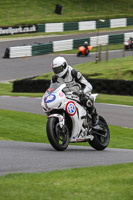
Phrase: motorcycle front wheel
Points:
(58, 138)
(79, 54)
(101, 138)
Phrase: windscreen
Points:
(53, 87)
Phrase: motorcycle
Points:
(83, 51)
(128, 45)
(69, 121)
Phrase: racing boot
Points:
(93, 112)
(95, 117)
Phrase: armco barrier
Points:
(40, 49)
(20, 51)
(79, 42)
(69, 26)
(54, 27)
(104, 86)
(100, 24)
(129, 21)
(41, 28)
(85, 25)
(61, 45)
(114, 23)
(116, 39)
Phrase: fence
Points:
(119, 87)
(61, 27)
(55, 46)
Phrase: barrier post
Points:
(100, 52)
(97, 44)
(123, 50)
(107, 52)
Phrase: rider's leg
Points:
(93, 112)
(89, 103)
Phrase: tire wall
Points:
(104, 86)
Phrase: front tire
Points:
(58, 138)
(79, 54)
(101, 139)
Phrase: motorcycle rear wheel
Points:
(101, 139)
(58, 139)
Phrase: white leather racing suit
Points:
(74, 81)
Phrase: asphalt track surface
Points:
(16, 157)
(114, 114)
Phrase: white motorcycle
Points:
(69, 122)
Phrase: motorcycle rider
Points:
(63, 73)
(86, 48)
(131, 42)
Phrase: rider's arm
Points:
(54, 79)
(86, 86)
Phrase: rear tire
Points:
(87, 53)
(56, 137)
(101, 139)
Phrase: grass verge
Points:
(6, 89)
(35, 12)
(120, 68)
(102, 182)
(117, 68)
(28, 127)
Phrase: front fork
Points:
(60, 118)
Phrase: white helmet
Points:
(60, 66)
(85, 43)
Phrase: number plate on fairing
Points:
(71, 108)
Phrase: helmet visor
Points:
(59, 69)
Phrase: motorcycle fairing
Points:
(55, 99)
(77, 121)
(82, 49)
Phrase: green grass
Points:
(35, 12)
(20, 126)
(118, 68)
(6, 89)
(27, 127)
(101, 183)
(115, 99)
